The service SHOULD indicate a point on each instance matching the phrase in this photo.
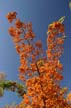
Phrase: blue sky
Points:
(41, 13)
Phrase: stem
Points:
(41, 84)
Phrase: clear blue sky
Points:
(40, 13)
